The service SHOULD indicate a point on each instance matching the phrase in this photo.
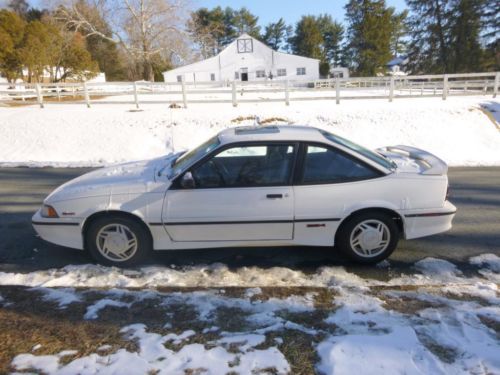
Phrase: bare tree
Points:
(146, 29)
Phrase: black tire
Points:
(343, 237)
(133, 228)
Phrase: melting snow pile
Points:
(71, 135)
(437, 320)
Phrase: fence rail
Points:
(338, 89)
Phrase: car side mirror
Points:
(187, 181)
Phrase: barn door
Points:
(244, 74)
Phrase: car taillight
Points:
(48, 211)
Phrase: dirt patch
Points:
(264, 121)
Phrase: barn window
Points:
(212, 77)
(260, 73)
(301, 71)
(245, 45)
(179, 78)
(236, 75)
(281, 72)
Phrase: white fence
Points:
(182, 93)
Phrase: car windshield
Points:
(373, 156)
(195, 154)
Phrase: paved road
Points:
(476, 192)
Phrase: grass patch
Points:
(231, 319)
(490, 323)
(444, 353)
(298, 348)
(265, 121)
(28, 322)
(314, 319)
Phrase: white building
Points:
(397, 66)
(247, 59)
(339, 71)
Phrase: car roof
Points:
(271, 133)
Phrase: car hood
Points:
(132, 177)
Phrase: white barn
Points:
(247, 59)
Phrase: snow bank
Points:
(154, 357)
(71, 135)
(427, 328)
(430, 270)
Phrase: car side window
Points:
(246, 166)
(324, 165)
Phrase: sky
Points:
(270, 10)
(291, 10)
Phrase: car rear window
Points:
(373, 156)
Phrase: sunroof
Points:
(256, 130)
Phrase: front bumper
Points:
(61, 231)
(421, 223)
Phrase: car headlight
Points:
(48, 211)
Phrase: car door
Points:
(241, 193)
(329, 181)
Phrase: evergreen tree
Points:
(490, 34)
(466, 51)
(214, 29)
(399, 44)
(275, 34)
(369, 35)
(333, 33)
(430, 23)
(308, 39)
(245, 22)
(11, 38)
(208, 29)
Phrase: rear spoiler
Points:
(431, 164)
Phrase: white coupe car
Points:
(254, 186)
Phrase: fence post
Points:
(184, 95)
(39, 95)
(445, 86)
(235, 100)
(391, 89)
(58, 91)
(495, 87)
(86, 94)
(136, 98)
(337, 90)
(287, 93)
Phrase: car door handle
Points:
(274, 196)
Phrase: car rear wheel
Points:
(369, 237)
(117, 241)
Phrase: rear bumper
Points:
(61, 231)
(421, 223)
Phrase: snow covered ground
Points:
(456, 130)
(436, 320)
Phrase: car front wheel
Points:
(368, 238)
(117, 241)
